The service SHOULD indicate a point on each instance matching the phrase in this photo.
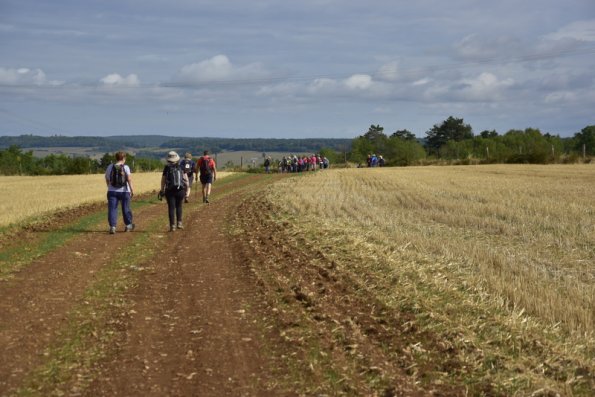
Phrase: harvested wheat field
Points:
(444, 281)
(29, 197)
(499, 261)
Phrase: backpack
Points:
(205, 166)
(118, 176)
(174, 179)
(187, 166)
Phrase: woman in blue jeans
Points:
(174, 184)
(119, 189)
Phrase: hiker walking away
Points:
(208, 174)
(119, 190)
(267, 165)
(173, 186)
(381, 161)
(188, 165)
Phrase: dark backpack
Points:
(205, 168)
(174, 179)
(187, 166)
(118, 176)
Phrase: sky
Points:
(294, 69)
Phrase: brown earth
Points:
(230, 306)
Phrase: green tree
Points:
(451, 129)
(587, 138)
(375, 133)
(405, 135)
(488, 134)
(360, 148)
(333, 156)
(402, 152)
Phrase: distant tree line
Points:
(15, 161)
(142, 144)
(453, 141)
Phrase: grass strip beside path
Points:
(20, 255)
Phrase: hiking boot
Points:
(172, 228)
(179, 226)
(130, 227)
(207, 200)
(204, 199)
(112, 230)
(186, 200)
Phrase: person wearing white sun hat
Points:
(174, 183)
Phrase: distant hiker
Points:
(206, 167)
(267, 165)
(374, 161)
(188, 165)
(119, 189)
(173, 186)
(380, 161)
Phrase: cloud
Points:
(388, 72)
(423, 81)
(578, 30)
(485, 87)
(219, 69)
(358, 82)
(25, 77)
(115, 80)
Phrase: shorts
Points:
(204, 179)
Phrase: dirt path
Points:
(197, 322)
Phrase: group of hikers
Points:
(293, 163)
(176, 183)
(373, 161)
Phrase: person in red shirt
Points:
(207, 169)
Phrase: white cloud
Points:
(219, 69)
(485, 87)
(115, 80)
(358, 82)
(25, 76)
(423, 81)
(578, 30)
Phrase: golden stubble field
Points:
(26, 197)
(499, 259)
